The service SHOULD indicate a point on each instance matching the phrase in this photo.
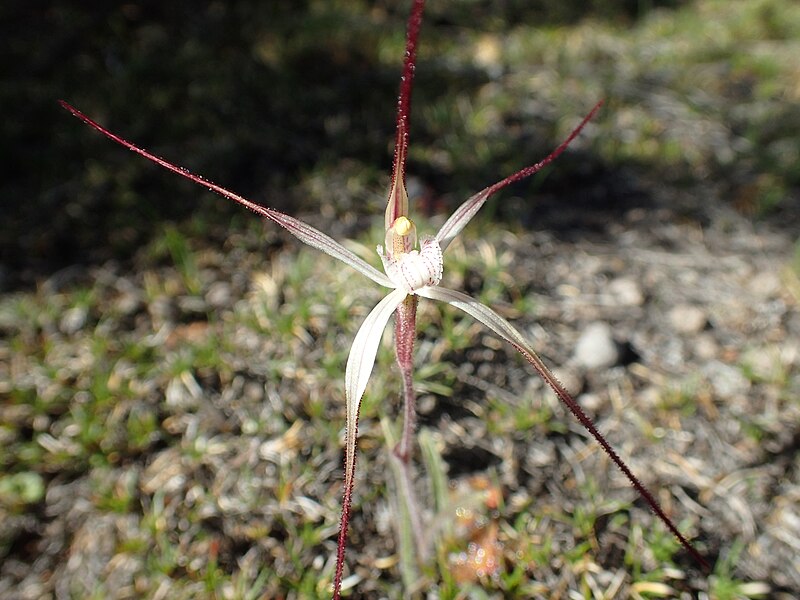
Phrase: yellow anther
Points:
(403, 226)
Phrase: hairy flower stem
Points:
(404, 332)
(405, 326)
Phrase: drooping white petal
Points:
(359, 367)
(504, 329)
(410, 271)
(480, 312)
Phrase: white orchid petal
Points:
(460, 218)
(359, 367)
(464, 213)
(479, 312)
(302, 231)
(508, 332)
(315, 238)
(504, 329)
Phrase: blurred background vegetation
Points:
(292, 104)
(176, 396)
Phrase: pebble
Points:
(687, 318)
(626, 292)
(596, 348)
(128, 303)
(73, 320)
(219, 294)
(766, 284)
(705, 346)
(591, 402)
(571, 379)
(728, 381)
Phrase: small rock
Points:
(766, 284)
(590, 402)
(687, 319)
(596, 348)
(426, 404)
(764, 363)
(570, 379)
(727, 381)
(533, 384)
(626, 292)
(705, 346)
(650, 396)
(127, 303)
(192, 304)
(253, 391)
(219, 294)
(73, 320)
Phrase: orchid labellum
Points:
(412, 268)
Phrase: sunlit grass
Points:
(215, 430)
(150, 393)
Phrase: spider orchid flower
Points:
(412, 270)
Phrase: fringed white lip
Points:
(413, 270)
